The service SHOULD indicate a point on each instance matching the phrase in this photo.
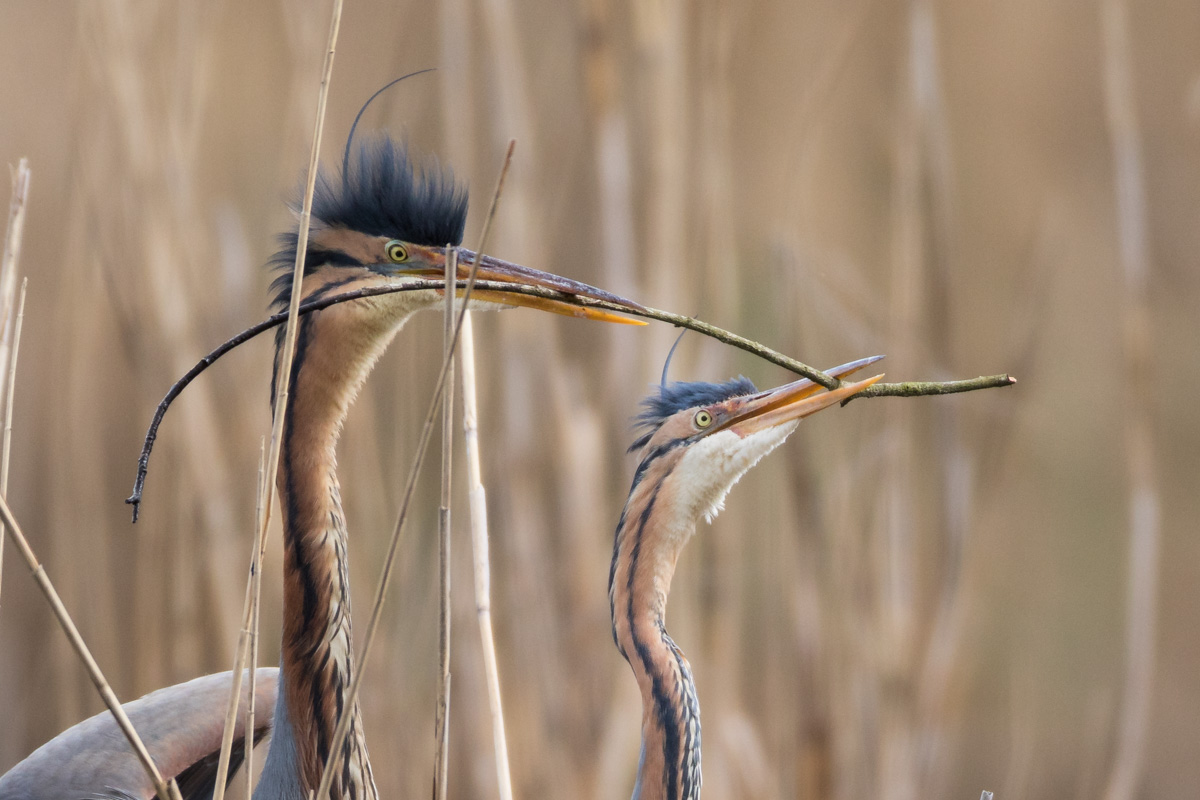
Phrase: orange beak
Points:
(495, 269)
(793, 401)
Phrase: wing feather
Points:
(181, 726)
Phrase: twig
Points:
(1128, 760)
(6, 450)
(477, 497)
(909, 389)
(283, 381)
(164, 790)
(343, 726)
(441, 724)
(933, 388)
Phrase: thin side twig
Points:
(385, 577)
(6, 450)
(441, 724)
(477, 498)
(907, 389)
(164, 789)
(283, 381)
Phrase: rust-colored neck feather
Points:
(649, 538)
(335, 349)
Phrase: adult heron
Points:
(384, 221)
(697, 440)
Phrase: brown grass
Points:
(913, 598)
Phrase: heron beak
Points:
(495, 269)
(793, 401)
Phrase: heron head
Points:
(703, 437)
(388, 220)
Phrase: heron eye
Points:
(703, 419)
(396, 252)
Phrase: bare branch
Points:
(907, 389)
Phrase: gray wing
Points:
(181, 726)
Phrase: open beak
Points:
(794, 400)
(495, 269)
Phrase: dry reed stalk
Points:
(614, 171)
(256, 571)
(284, 380)
(441, 725)
(528, 212)
(723, 590)
(954, 464)
(235, 689)
(895, 539)
(454, 77)
(389, 560)
(659, 30)
(13, 236)
(8, 409)
(6, 451)
(14, 233)
(477, 497)
(247, 647)
(166, 790)
(1138, 345)
(145, 140)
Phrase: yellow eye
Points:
(702, 419)
(396, 252)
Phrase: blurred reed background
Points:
(913, 598)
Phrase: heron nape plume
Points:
(697, 440)
(386, 221)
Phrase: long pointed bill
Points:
(495, 269)
(839, 372)
(790, 402)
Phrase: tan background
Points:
(919, 598)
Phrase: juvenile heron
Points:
(697, 440)
(384, 221)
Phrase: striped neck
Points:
(317, 661)
(648, 541)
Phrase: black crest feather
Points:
(664, 401)
(381, 192)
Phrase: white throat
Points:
(710, 468)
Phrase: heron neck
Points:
(317, 660)
(647, 547)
